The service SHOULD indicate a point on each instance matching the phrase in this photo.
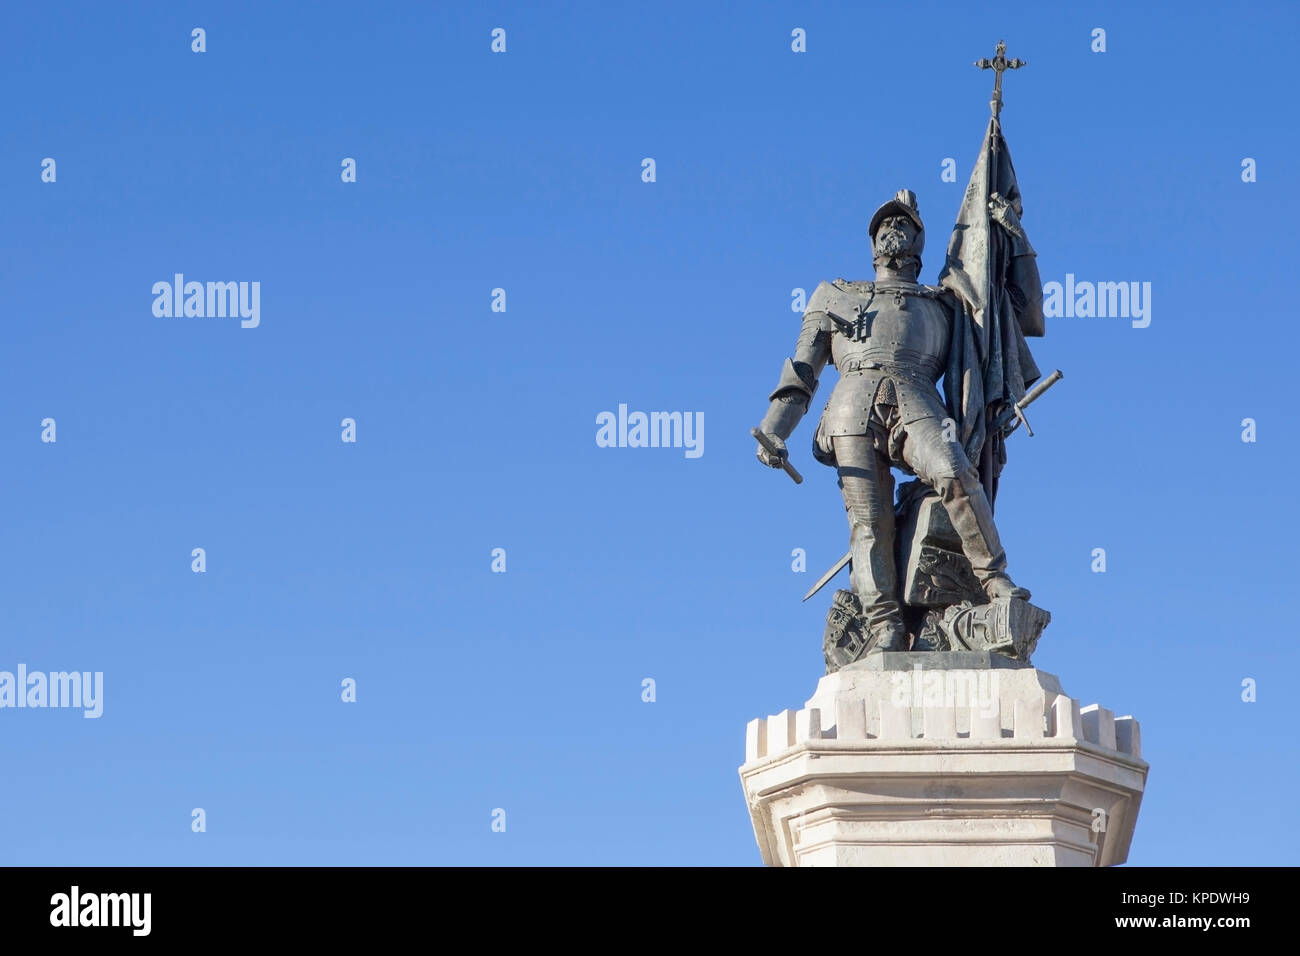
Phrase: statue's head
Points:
(897, 234)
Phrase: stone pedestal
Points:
(943, 759)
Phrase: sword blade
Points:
(839, 566)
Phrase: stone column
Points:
(943, 759)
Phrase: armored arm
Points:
(789, 401)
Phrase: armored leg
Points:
(944, 466)
(968, 509)
(868, 488)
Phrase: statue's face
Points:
(894, 239)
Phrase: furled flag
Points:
(991, 271)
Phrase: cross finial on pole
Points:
(998, 64)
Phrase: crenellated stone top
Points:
(942, 704)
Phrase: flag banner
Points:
(990, 270)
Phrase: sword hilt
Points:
(771, 449)
(1015, 416)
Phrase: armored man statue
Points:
(944, 585)
(932, 739)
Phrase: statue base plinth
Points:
(915, 762)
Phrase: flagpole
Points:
(999, 64)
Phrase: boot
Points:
(999, 585)
(888, 636)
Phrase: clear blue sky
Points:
(476, 430)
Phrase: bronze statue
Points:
(892, 340)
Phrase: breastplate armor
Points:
(890, 343)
